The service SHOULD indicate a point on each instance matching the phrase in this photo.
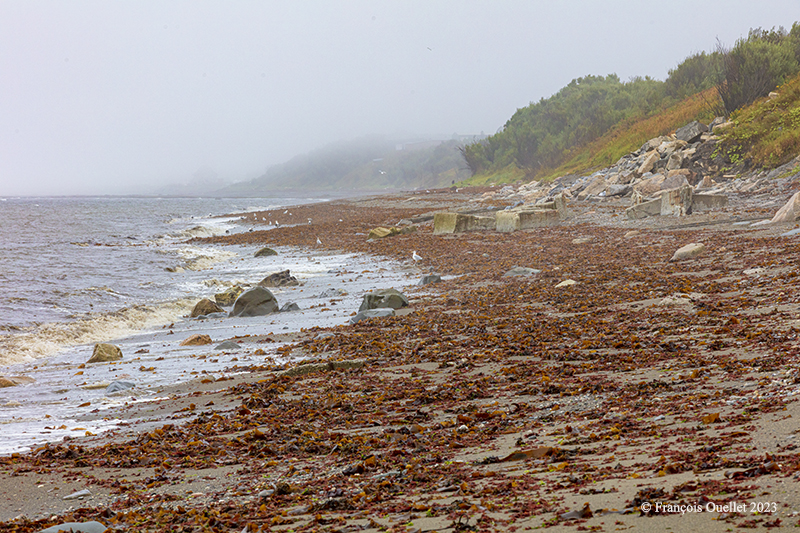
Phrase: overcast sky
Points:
(114, 97)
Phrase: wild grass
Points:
(767, 133)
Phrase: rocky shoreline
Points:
(564, 376)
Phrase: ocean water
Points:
(77, 271)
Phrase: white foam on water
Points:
(46, 340)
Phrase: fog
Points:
(123, 97)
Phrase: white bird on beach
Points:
(319, 241)
(415, 256)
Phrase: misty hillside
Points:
(363, 164)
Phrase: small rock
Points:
(567, 283)
(226, 298)
(430, 278)
(265, 252)
(582, 240)
(372, 313)
(205, 307)
(332, 293)
(103, 353)
(279, 279)
(689, 251)
(289, 306)
(227, 345)
(521, 271)
(196, 340)
(119, 386)
(384, 298)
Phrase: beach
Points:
(606, 388)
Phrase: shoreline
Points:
(492, 402)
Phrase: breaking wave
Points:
(46, 340)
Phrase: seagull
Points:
(416, 256)
(319, 241)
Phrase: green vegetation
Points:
(595, 120)
(767, 133)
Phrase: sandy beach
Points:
(648, 395)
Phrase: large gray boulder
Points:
(258, 301)
(104, 353)
(691, 132)
(790, 212)
(391, 298)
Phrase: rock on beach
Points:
(258, 301)
(104, 353)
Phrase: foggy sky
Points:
(120, 97)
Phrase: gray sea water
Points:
(78, 271)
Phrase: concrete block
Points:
(458, 223)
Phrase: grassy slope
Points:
(624, 138)
(766, 133)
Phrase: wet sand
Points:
(492, 403)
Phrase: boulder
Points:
(458, 223)
(226, 298)
(677, 202)
(265, 252)
(289, 307)
(651, 185)
(196, 340)
(372, 313)
(660, 182)
(790, 212)
(595, 187)
(675, 161)
(104, 352)
(257, 301)
(279, 279)
(691, 132)
(667, 148)
(689, 251)
(430, 278)
(649, 162)
(617, 190)
(644, 209)
(205, 307)
(383, 298)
